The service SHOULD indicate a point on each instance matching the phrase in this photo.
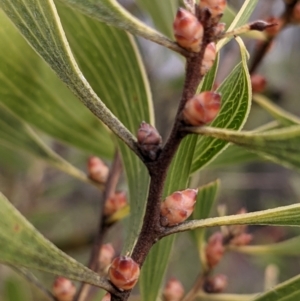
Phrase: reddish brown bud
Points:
(63, 289)
(214, 250)
(173, 290)
(124, 272)
(273, 30)
(188, 31)
(202, 108)
(106, 297)
(258, 83)
(208, 58)
(216, 7)
(241, 239)
(177, 207)
(115, 203)
(107, 253)
(215, 284)
(149, 140)
(97, 170)
(296, 13)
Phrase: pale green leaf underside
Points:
(281, 146)
(32, 91)
(286, 291)
(39, 23)
(19, 137)
(112, 13)
(288, 247)
(280, 216)
(22, 244)
(236, 102)
(110, 61)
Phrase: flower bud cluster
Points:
(215, 284)
(177, 207)
(63, 289)
(114, 203)
(149, 140)
(173, 290)
(202, 108)
(124, 272)
(97, 170)
(258, 83)
(215, 7)
(106, 255)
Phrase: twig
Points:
(262, 50)
(110, 187)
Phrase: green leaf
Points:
(40, 25)
(236, 102)
(205, 199)
(240, 19)
(280, 146)
(23, 245)
(285, 118)
(18, 136)
(288, 247)
(280, 216)
(286, 291)
(178, 176)
(112, 13)
(162, 13)
(30, 89)
(111, 63)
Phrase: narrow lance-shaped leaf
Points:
(39, 23)
(286, 291)
(111, 63)
(31, 90)
(178, 176)
(285, 118)
(281, 146)
(289, 247)
(18, 136)
(236, 102)
(114, 14)
(22, 244)
(280, 216)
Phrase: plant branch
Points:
(110, 187)
(263, 48)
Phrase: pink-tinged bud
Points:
(215, 284)
(236, 230)
(214, 249)
(114, 203)
(107, 253)
(97, 170)
(106, 297)
(124, 272)
(63, 289)
(177, 207)
(149, 140)
(219, 29)
(173, 290)
(273, 30)
(258, 83)
(188, 31)
(296, 13)
(216, 7)
(208, 58)
(241, 240)
(202, 108)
